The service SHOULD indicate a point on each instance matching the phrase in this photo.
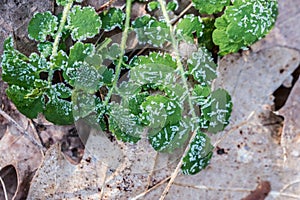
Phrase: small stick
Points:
(4, 188)
(22, 130)
(149, 190)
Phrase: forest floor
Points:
(257, 155)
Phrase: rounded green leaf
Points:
(202, 67)
(198, 156)
(210, 6)
(112, 18)
(151, 31)
(83, 23)
(216, 112)
(41, 25)
(244, 23)
(189, 25)
(30, 107)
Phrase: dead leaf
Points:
(18, 151)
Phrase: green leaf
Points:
(16, 67)
(78, 53)
(88, 78)
(123, 124)
(62, 91)
(244, 23)
(112, 18)
(162, 59)
(41, 25)
(59, 61)
(200, 94)
(153, 5)
(201, 65)
(189, 25)
(84, 104)
(135, 102)
(159, 111)
(30, 107)
(169, 137)
(216, 112)
(206, 39)
(62, 2)
(172, 5)
(58, 110)
(211, 6)
(83, 23)
(198, 156)
(45, 48)
(151, 31)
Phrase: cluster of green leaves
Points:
(241, 23)
(68, 83)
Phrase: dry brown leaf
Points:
(21, 154)
(249, 152)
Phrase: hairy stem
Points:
(63, 20)
(185, 85)
(123, 47)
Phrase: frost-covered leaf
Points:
(45, 48)
(41, 25)
(162, 59)
(198, 156)
(60, 60)
(154, 74)
(151, 31)
(159, 111)
(169, 137)
(188, 26)
(244, 23)
(206, 39)
(215, 113)
(153, 5)
(78, 53)
(211, 6)
(111, 52)
(16, 69)
(134, 102)
(172, 5)
(30, 107)
(84, 104)
(83, 23)
(200, 94)
(123, 124)
(62, 2)
(201, 65)
(58, 110)
(62, 91)
(88, 78)
(112, 18)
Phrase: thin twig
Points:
(149, 190)
(22, 130)
(186, 87)
(234, 129)
(4, 188)
(36, 134)
(173, 21)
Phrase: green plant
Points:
(169, 94)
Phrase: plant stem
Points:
(63, 20)
(123, 47)
(185, 85)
